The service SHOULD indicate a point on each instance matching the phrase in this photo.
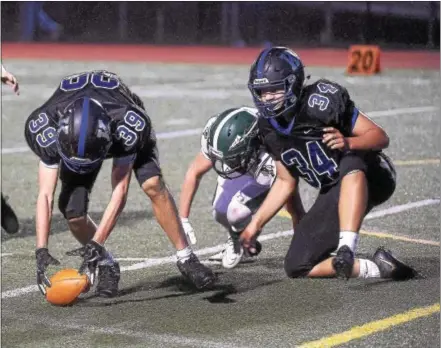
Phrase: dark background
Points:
(309, 24)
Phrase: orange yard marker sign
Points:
(363, 60)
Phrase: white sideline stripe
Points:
(400, 208)
(198, 131)
(6, 254)
(145, 336)
(147, 263)
(403, 111)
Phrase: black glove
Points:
(44, 259)
(91, 253)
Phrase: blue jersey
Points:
(131, 126)
(298, 145)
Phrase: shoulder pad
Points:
(325, 101)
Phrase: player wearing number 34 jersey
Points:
(315, 132)
(93, 116)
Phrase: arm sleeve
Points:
(347, 113)
(124, 160)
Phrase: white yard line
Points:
(146, 336)
(147, 263)
(403, 111)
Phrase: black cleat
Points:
(194, 271)
(108, 279)
(392, 268)
(343, 262)
(9, 219)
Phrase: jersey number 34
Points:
(319, 163)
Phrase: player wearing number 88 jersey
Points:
(91, 117)
(315, 132)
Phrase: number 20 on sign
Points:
(363, 60)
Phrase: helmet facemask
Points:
(275, 107)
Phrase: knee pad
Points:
(74, 204)
(238, 215)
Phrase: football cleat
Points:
(194, 271)
(343, 262)
(392, 268)
(9, 219)
(108, 279)
(232, 254)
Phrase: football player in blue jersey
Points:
(315, 132)
(93, 116)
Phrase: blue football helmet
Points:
(276, 69)
(84, 135)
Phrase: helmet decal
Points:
(84, 136)
(84, 126)
(232, 141)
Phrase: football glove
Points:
(189, 231)
(91, 253)
(44, 259)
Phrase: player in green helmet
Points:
(230, 145)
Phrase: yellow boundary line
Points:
(398, 237)
(417, 162)
(373, 327)
(285, 214)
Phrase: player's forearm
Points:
(110, 217)
(188, 191)
(373, 139)
(295, 208)
(277, 197)
(43, 219)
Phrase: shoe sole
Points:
(106, 293)
(207, 284)
(231, 265)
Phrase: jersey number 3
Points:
(319, 163)
(46, 135)
(127, 132)
(320, 100)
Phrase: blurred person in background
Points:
(34, 18)
(9, 218)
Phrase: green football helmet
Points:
(231, 141)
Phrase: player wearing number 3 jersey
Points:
(315, 132)
(93, 116)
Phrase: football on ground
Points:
(66, 286)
